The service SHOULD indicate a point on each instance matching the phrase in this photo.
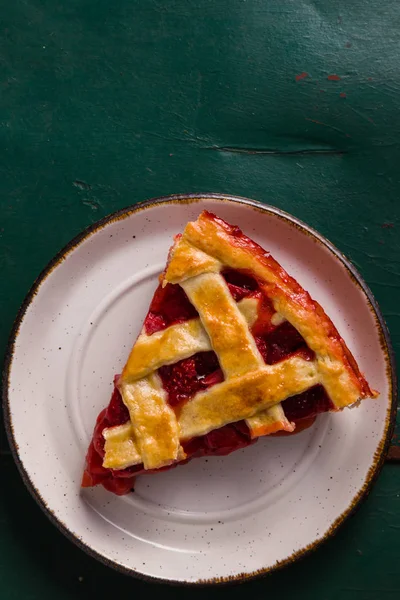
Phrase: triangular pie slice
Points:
(232, 349)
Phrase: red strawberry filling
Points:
(169, 306)
(281, 342)
(308, 404)
(185, 378)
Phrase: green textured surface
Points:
(103, 105)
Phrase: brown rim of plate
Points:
(386, 345)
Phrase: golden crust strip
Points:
(151, 352)
(269, 421)
(242, 397)
(153, 421)
(227, 329)
(187, 261)
(120, 448)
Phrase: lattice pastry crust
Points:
(251, 390)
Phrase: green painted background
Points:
(105, 104)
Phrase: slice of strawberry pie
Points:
(232, 349)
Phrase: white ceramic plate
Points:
(211, 520)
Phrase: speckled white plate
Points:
(211, 520)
